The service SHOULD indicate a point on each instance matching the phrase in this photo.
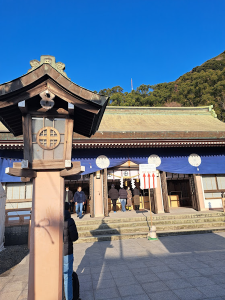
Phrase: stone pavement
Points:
(14, 283)
(175, 267)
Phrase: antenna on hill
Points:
(131, 84)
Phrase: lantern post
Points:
(46, 107)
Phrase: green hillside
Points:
(204, 85)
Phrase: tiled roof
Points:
(148, 127)
(147, 119)
(152, 119)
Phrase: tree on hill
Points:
(203, 85)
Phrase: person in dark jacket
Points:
(79, 199)
(70, 235)
(85, 202)
(123, 198)
(114, 195)
(136, 193)
(69, 198)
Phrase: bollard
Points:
(152, 236)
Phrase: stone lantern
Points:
(46, 108)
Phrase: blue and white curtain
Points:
(174, 160)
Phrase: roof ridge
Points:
(209, 107)
(197, 110)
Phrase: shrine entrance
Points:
(181, 190)
(83, 182)
(127, 175)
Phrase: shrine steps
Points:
(144, 223)
(113, 237)
(108, 229)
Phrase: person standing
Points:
(69, 198)
(129, 198)
(113, 195)
(70, 235)
(123, 198)
(136, 193)
(79, 199)
(85, 202)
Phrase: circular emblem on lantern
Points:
(48, 138)
(102, 161)
(154, 159)
(194, 160)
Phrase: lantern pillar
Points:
(46, 239)
(47, 107)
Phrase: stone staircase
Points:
(108, 229)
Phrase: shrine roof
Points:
(158, 123)
(152, 127)
(148, 119)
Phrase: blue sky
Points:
(105, 43)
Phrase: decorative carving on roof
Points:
(48, 59)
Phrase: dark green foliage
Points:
(204, 85)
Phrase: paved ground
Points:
(179, 267)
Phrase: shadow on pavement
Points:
(10, 257)
(95, 255)
(188, 243)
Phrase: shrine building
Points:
(185, 143)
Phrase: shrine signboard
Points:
(148, 180)
(147, 176)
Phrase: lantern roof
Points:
(70, 99)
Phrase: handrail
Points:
(21, 220)
(18, 209)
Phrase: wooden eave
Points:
(87, 105)
(126, 143)
(152, 135)
(148, 144)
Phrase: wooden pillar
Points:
(194, 192)
(155, 204)
(46, 237)
(158, 195)
(164, 192)
(98, 196)
(105, 192)
(200, 192)
(91, 194)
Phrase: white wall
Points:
(213, 183)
